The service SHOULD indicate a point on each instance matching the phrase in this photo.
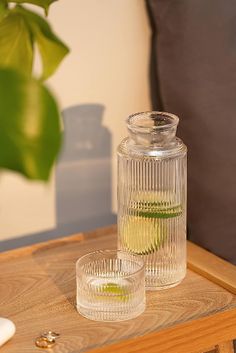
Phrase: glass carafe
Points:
(152, 182)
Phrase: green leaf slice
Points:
(29, 126)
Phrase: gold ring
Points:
(50, 335)
(43, 342)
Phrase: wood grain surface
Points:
(225, 347)
(183, 338)
(37, 292)
(212, 267)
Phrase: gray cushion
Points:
(195, 49)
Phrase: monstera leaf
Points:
(3, 9)
(51, 48)
(30, 135)
(19, 30)
(16, 46)
(42, 3)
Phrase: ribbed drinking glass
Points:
(110, 285)
(152, 197)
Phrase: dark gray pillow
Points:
(195, 53)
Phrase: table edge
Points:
(27, 250)
(182, 338)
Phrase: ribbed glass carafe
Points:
(152, 197)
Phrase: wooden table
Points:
(37, 291)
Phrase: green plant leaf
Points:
(51, 48)
(3, 9)
(30, 131)
(42, 3)
(16, 48)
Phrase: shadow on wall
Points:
(83, 177)
(83, 174)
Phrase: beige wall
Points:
(108, 64)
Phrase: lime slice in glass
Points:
(158, 212)
(142, 236)
(155, 205)
(117, 291)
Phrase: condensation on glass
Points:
(152, 197)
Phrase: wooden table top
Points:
(37, 292)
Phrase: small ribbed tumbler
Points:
(110, 285)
